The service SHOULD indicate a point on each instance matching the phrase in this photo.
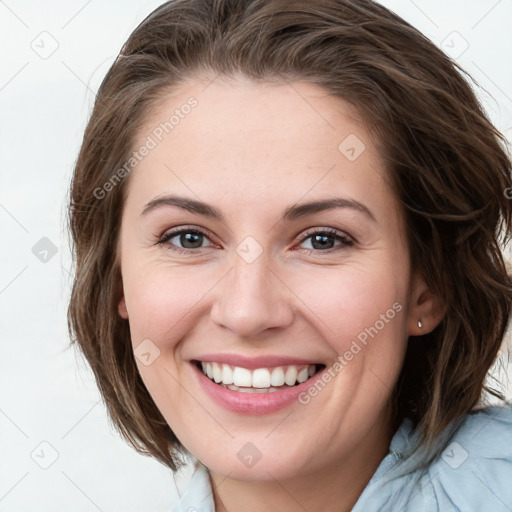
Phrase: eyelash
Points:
(345, 240)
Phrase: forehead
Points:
(233, 110)
(256, 140)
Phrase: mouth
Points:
(258, 380)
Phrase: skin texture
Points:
(252, 150)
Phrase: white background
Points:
(47, 394)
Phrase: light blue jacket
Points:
(473, 473)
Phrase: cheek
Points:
(360, 313)
(160, 300)
(356, 304)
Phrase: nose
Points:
(252, 299)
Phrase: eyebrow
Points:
(293, 212)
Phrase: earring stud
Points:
(420, 324)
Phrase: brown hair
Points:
(447, 164)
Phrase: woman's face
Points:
(260, 240)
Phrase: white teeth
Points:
(217, 372)
(242, 377)
(261, 378)
(302, 376)
(227, 374)
(290, 376)
(250, 390)
(245, 390)
(264, 379)
(277, 377)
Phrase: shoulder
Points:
(472, 474)
(198, 495)
(474, 471)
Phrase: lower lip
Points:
(253, 403)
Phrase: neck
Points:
(334, 487)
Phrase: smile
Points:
(259, 380)
(255, 386)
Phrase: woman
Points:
(288, 220)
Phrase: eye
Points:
(324, 240)
(184, 240)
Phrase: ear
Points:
(424, 306)
(121, 308)
(121, 305)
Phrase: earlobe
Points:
(425, 311)
(121, 305)
(121, 308)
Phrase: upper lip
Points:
(252, 363)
